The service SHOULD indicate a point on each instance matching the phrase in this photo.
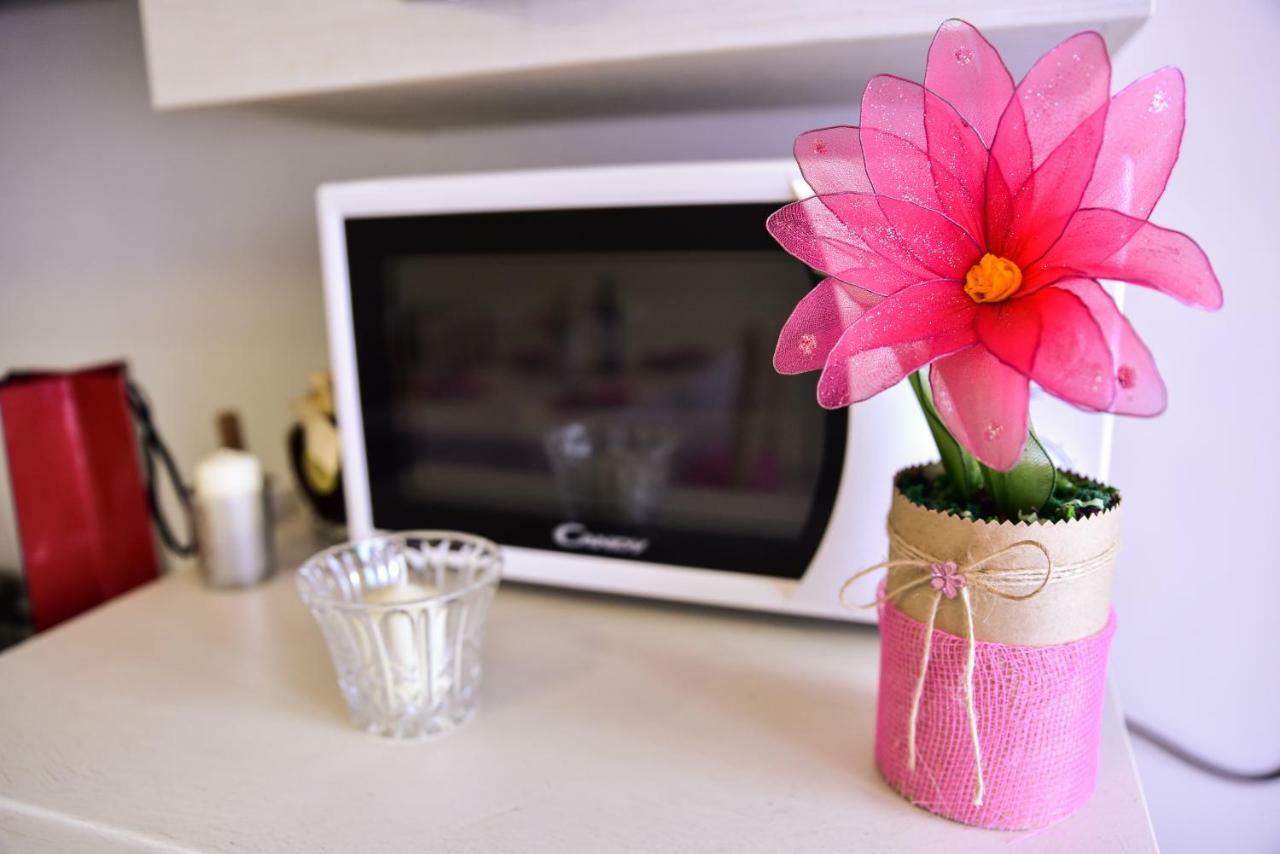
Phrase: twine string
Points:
(977, 573)
(919, 689)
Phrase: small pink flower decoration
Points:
(964, 226)
(946, 578)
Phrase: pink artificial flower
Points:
(965, 225)
(946, 578)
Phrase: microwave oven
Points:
(577, 364)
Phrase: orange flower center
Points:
(992, 279)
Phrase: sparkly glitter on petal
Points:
(1140, 146)
(968, 72)
(896, 337)
(914, 237)
(920, 150)
(810, 231)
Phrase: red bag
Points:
(79, 494)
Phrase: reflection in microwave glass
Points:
(625, 389)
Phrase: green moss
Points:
(1074, 497)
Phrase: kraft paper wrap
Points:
(1075, 604)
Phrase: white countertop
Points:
(181, 719)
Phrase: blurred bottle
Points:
(315, 451)
(610, 323)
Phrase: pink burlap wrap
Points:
(1033, 603)
(1039, 712)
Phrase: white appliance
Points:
(576, 363)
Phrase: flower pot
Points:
(991, 688)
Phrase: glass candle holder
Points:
(404, 618)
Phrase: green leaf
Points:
(962, 469)
(1025, 488)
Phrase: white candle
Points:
(395, 594)
(398, 635)
(231, 519)
(228, 472)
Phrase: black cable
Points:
(1177, 751)
(152, 447)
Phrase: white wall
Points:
(186, 242)
(1197, 653)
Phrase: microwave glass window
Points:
(597, 396)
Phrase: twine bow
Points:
(949, 579)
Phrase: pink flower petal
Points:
(893, 105)
(918, 149)
(966, 70)
(900, 335)
(1046, 147)
(899, 168)
(915, 238)
(959, 164)
(1143, 135)
(1106, 244)
(999, 209)
(1064, 88)
(1051, 337)
(831, 161)
(1139, 389)
(983, 402)
(817, 323)
(810, 231)
(1046, 202)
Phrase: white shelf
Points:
(437, 60)
(179, 719)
